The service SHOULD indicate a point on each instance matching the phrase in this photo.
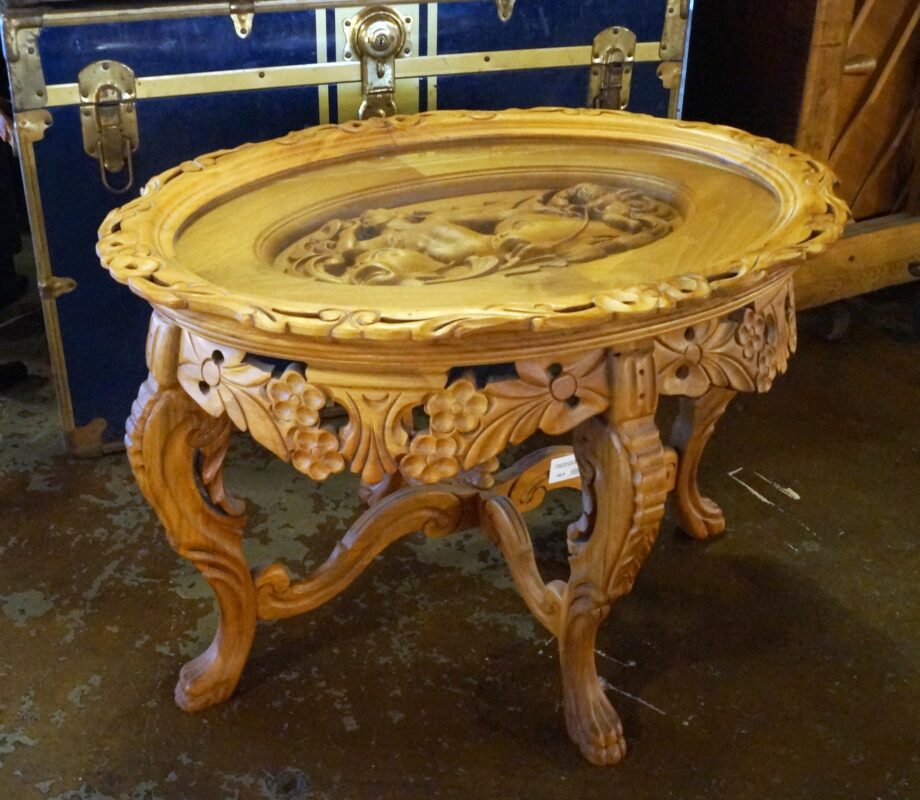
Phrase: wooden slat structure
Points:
(877, 100)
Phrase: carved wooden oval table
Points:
(504, 273)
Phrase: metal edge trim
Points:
(678, 100)
(432, 34)
(58, 17)
(319, 20)
(26, 151)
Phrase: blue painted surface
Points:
(647, 94)
(476, 27)
(473, 27)
(178, 46)
(103, 326)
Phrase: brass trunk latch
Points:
(611, 68)
(109, 119)
(377, 35)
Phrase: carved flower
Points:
(315, 451)
(751, 332)
(459, 407)
(692, 359)
(210, 371)
(548, 394)
(576, 389)
(744, 351)
(432, 458)
(293, 400)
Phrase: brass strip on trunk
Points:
(65, 94)
(30, 127)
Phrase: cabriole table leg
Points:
(172, 445)
(697, 515)
(626, 474)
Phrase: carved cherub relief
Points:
(512, 233)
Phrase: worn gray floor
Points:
(780, 661)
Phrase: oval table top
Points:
(465, 229)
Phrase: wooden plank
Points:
(870, 256)
(863, 142)
(884, 186)
(817, 128)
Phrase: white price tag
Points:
(563, 469)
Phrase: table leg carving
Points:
(520, 488)
(526, 482)
(435, 510)
(697, 515)
(172, 445)
(625, 474)
(502, 523)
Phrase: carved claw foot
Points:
(697, 515)
(594, 725)
(702, 520)
(592, 722)
(206, 680)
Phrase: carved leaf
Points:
(727, 372)
(258, 420)
(549, 394)
(377, 433)
(508, 420)
(222, 381)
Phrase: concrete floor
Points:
(780, 661)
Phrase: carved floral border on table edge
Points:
(128, 249)
(469, 424)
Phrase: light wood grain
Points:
(205, 239)
(874, 31)
(861, 99)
